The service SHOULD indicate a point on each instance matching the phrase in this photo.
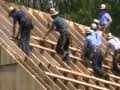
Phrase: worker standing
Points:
(105, 19)
(25, 27)
(60, 26)
(93, 45)
(114, 46)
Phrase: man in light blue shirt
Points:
(96, 35)
(92, 46)
(89, 43)
(105, 18)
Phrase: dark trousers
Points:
(63, 43)
(25, 40)
(62, 47)
(97, 62)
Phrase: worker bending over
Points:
(25, 27)
(60, 26)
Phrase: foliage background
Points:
(81, 11)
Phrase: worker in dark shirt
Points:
(25, 27)
(60, 26)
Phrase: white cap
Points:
(93, 26)
(11, 8)
(88, 30)
(109, 35)
(96, 21)
(53, 11)
(102, 6)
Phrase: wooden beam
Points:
(54, 43)
(53, 51)
(87, 76)
(75, 81)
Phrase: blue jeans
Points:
(25, 40)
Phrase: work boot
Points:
(67, 58)
(105, 76)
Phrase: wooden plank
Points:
(50, 50)
(54, 43)
(53, 51)
(111, 75)
(87, 76)
(75, 81)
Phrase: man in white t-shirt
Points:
(114, 45)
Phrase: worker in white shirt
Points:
(114, 45)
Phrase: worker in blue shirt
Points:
(60, 26)
(93, 51)
(25, 27)
(105, 19)
(96, 34)
(89, 43)
(97, 58)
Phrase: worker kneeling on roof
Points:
(114, 46)
(25, 27)
(93, 46)
(60, 26)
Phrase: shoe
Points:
(105, 76)
(67, 58)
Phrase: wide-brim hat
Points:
(93, 26)
(96, 21)
(88, 30)
(11, 8)
(53, 12)
(102, 6)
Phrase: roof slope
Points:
(46, 66)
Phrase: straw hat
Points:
(96, 21)
(88, 30)
(102, 6)
(93, 26)
(53, 11)
(11, 9)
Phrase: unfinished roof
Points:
(44, 65)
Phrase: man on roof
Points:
(105, 19)
(63, 42)
(25, 27)
(92, 47)
(113, 44)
